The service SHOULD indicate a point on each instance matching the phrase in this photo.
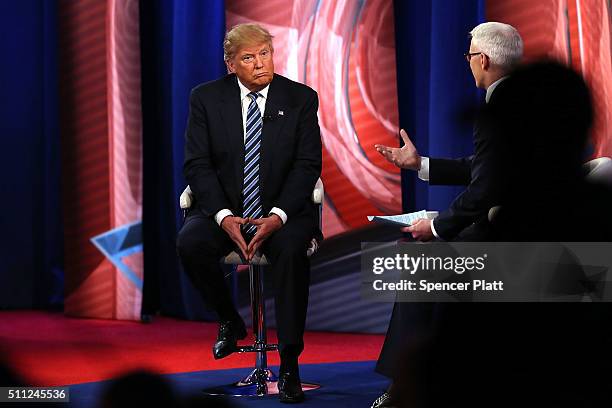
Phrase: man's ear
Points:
(484, 62)
(230, 66)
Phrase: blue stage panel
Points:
(353, 384)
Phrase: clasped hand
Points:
(265, 227)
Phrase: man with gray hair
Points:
(495, 50)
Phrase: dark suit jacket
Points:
(290, 162)
(468, 212)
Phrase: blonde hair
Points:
(244, 34)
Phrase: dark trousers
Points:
(409, 322)
(550, 353)
(201, 243)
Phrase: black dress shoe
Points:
(227, 339)
(290, 387)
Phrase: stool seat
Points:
(234, 258)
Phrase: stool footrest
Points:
(257, 347)
(259, 382)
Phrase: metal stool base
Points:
(259, 383)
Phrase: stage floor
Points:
(47, 348)
(348, 384)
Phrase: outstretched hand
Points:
(405, 157)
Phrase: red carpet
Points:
(51, 349)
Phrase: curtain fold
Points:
(181, 44)
(436, 89)
(31, 251)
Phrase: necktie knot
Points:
(254, 96)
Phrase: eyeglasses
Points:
(468, 55)
(250, 58)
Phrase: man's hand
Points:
(231, 225)
(421, 230)
(405, 157)
(265, 227)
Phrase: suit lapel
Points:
(231, 111)
(272, 125)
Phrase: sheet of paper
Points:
(406, 219)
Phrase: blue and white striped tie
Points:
(250, 190)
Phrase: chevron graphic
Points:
(119, 243)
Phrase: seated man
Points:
(252, 158)
(551, 353)
(495, 50)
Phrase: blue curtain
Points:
(31, 274)
(435, 87)
(181, 44)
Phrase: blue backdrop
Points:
(181, 43)
(30, 218)
(435, 87)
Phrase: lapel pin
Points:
(281, 113)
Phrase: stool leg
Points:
(261, 375)
(258, 310)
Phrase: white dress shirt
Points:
(261, 104)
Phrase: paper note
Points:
(401, 219)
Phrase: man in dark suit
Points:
(548, 353)
(495, 50)
(252, 158)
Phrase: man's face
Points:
(476, 66)
(254, 66)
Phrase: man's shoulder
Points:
(214, 87)
(500, 90)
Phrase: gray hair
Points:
(500, 42)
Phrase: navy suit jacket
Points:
(290, 161)
(468, 212)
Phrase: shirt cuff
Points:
(433, 230)
(222, 214)
(424, 172)
(280, 213)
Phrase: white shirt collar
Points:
(244, 91)
(492, 87)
